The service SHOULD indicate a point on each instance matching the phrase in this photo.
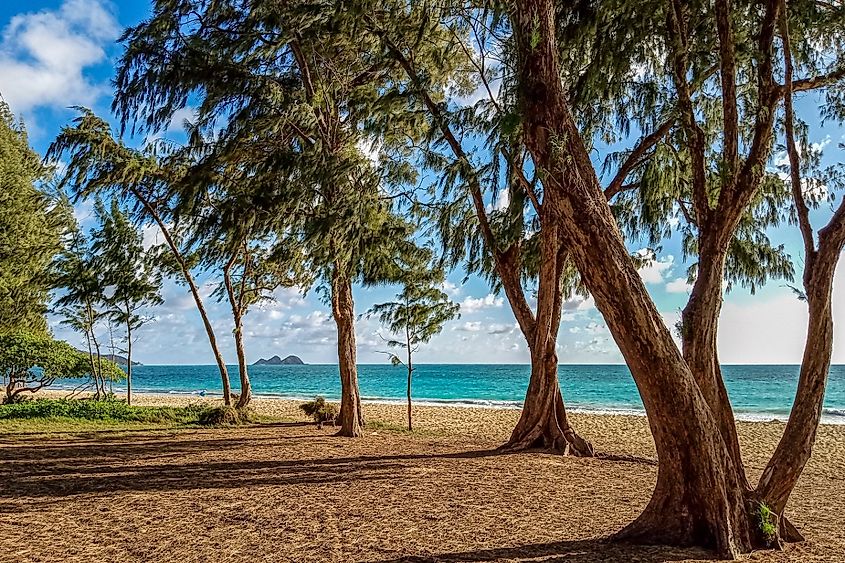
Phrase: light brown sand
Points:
(289, 492)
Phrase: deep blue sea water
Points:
(756, 391)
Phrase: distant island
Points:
(119, 360)
(277, 361)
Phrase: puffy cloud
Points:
(44, 55)
(474, 304)
(655, 270)
(678, 285)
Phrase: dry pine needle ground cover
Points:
(290, 492)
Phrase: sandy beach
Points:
(287, 491)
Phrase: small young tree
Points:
(129, 273)
(29, 362)
(417, 314)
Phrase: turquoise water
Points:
(757, 391)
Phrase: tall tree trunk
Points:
(543, 421)
(128, 360)
(699, 499)
(793, 452)
(410, 366)
(237, 316)
(796, 444)
(543, 389)
(343, 310)
(189, 279)
(700, 340)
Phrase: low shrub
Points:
(320, 410)
(226, 416)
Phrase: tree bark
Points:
(128, 360)
(410, 369)
(343, 309)
(237, 316)
(699, 499)
(700, 340)
(543, 421)
(189, 279)
(783, 470)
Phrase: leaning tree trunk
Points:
(543, 422)
(189, 279)
(699, 499)
(700, 341)
(343, 309)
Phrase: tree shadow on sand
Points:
(574, 551)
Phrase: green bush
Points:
(83, 409)
(320, 410)
(226, 416)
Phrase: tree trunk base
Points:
(555, 439)
(668, 523)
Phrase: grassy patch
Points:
(98, 411)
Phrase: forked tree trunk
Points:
(189, 279)
(796, 444)
(699, 499)
(543, 422)
(543, 389)
(343, 309)
(700, 341)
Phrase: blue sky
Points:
(60, 53)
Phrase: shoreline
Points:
(270, 402)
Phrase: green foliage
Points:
(114, 411)
(320, 410)
(124, 267)
(417, 314)
(31, 361)
(767, 522)
(33, 221)
(225, 416)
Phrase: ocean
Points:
(758, 392)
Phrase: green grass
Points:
(103, 411)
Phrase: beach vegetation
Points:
(226, 416)
(129, 272)
(100, 165)
(34, 219)
(320, 410)
(112, 410)
(30, 362)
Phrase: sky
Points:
(55, 54)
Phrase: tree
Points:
(82, 302)
(517, 246)
(128, 271)
(35, 221)
(31, 361)
(699, 498)
(417, 315)
(822, 250)
(290, 119)
(101, 165)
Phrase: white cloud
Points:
(44, 55)
(678, 285)
(655, 270)
(473, 304)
